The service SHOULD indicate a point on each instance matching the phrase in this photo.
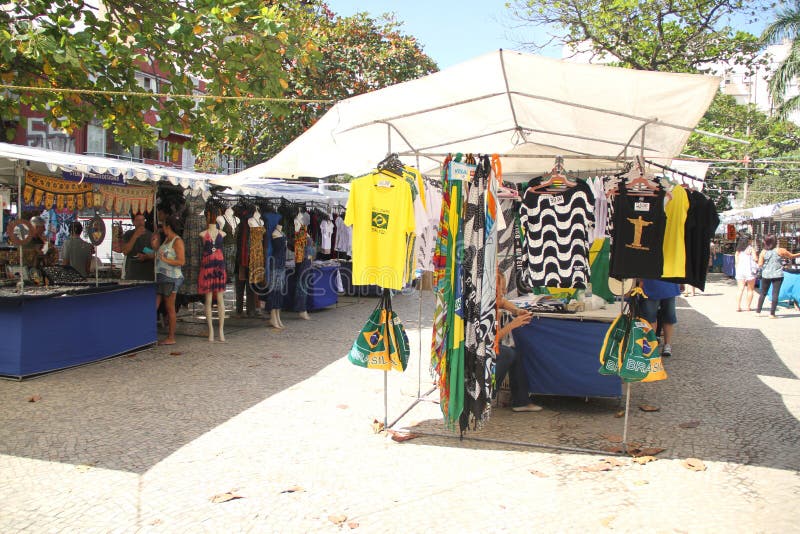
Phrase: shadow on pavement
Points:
(714, 406)
(130, 412)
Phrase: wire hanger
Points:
(392, 164)
(556, 180)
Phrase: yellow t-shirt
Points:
(674, 247)
(382, 219)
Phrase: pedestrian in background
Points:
(746, 267)
(772, 272)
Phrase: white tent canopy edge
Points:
(526, 107)
(50, 161)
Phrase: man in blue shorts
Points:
(661, 295)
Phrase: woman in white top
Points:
(745, 271)
(170, 258)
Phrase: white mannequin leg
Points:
(221, 314)
(209, 318)
(278, 316)
(273, 319)
(304, 315)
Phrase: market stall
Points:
(86, 318)
(527, 110)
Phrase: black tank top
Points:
(639, 221)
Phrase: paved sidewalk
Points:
(281, 419)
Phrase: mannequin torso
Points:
(255, 220)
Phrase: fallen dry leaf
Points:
(377, 426)
(539, 474)
(640, 483)
(352, 525)
(293, 489)
(342, 406)
(619, 414)
(155, 522)
(694, 464)
(596, 468)
(613, 438)
(175, 353)
(690, 424)
(614, 449)
(642, 460)
(614, 462)
(637, 451)
(337, 519)
(34, 398)
(135, 354)
(225, 497)
(649, 408)
(606, 521)
(83, 468)
(401, 437)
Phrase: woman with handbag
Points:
(772, 271)
(746, 269)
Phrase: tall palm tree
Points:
(785, 26)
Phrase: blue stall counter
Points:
(561, 355)
(53, 329)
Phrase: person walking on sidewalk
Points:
(660, 295)
(772, 271)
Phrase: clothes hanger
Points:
(392, 164)
(555, 181)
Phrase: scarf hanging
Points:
(50, 192)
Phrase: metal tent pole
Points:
(18, 169)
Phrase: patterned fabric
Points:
(507, 247)
(557, 243)
(125, 198)
(426, 237)
(49, 192)
(229, 248)
(257, 261)
(480, 293)
(194, 225)
(447, 359)
(212, 266)
(300, 239)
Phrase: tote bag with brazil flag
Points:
(382, 343)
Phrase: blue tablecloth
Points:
(321, 282)
(790, 290)
(42, 334)
(729, 265)
(561, 357)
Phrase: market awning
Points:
(50, 161)
(275, 188)
(507, 103)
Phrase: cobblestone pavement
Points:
(142, 443)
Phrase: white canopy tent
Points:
(509, 103)
(51, 161)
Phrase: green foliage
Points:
(676, 36)
(770, 138)
(785, 26)
(357, 54)
(236, 47)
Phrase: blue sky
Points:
(451, 31)
(455, 31)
